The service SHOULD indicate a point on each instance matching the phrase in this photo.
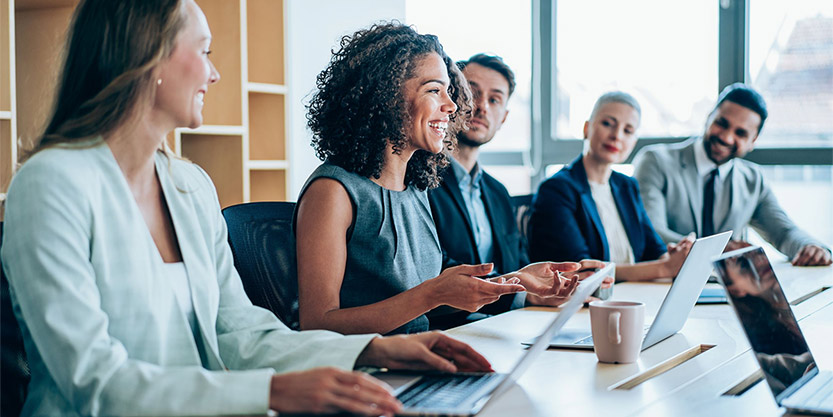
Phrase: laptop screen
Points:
(764, 312)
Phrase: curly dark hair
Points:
(360, 106)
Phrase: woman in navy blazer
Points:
(587, 210)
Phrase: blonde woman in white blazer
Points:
(117, 257)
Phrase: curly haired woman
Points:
(368, 255)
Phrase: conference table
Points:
(705, 369)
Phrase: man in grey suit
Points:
(703, 186)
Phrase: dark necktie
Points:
(708, 205)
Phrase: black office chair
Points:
(14, 367)
(263, 244)
(522, 206)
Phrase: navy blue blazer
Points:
(565, 224)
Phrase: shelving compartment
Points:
(267, 185)
(221, 156)
(223, 100)
(267, 127)
(265, 39)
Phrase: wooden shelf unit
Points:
(242, 144)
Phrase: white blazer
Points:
(101, 325)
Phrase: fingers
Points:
(591, 264)
(327, 390)
(607, 282)
(464, 356)
(812, 255)
(363, 394)
(565, 266)
(473, 270)
(505, 279)
(491, 289)
(571, 286)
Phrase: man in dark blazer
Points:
(472, 210)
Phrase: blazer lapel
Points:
(206, 300)
(693, 184)
(627, 213)
(498, 242)
(580, 179)
(737, 183)
(450, 181)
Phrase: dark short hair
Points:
(359, 107)
(746, 96)
(493, 62)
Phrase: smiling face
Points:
(731, 131)
(186, 74)
(429, 104)
(612, 133)
(491, 92)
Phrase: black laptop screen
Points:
(766, 317)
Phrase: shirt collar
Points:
(705, 165)
(464, 177)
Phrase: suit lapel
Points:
(453, 188)
(580, 178)
(693, 184)
(737, 183)
(182, 211)
(498, 241)
(627, 213)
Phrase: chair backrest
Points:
(522, 206)
(263, 244)
(14, 367)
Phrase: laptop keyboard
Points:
(440, 391)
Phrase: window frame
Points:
(546, 148)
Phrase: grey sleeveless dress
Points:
(392, 245)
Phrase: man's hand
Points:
(812, 255)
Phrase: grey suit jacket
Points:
(102, 328)
(673, 196)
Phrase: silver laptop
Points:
(677, 303)
(773, 332)
(464, 394)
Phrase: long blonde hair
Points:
(110, 57)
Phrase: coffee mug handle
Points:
(613, 333)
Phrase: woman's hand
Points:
(582, 270)
(423, 351)
(544, 279)
(675, 257)
(460, 288)
(331, 390)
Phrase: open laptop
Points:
(677, 303)
(773, 332)
(464, 394)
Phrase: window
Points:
(791, 64)
(664, 53)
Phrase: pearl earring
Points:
(158, 81)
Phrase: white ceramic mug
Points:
(617, 330)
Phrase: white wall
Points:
(314, 28)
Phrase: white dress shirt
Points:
(617, 238)
(722, 184)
